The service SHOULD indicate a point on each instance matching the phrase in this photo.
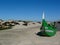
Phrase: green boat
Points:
(47, 29)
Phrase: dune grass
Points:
(2, 28)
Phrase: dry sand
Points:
(27, 36)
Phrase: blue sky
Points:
(30, 9)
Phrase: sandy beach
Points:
(27, 35)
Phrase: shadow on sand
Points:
(41, 34)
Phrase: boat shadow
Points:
(41, 34)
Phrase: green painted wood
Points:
(49, 30)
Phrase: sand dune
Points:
(27, 36)
(30, 24)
